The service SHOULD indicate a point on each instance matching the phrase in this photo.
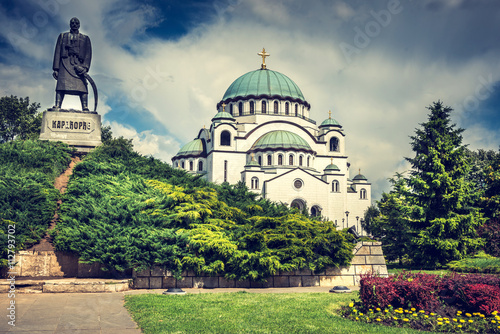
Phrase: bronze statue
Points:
(72, 58)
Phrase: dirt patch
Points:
(61, 184)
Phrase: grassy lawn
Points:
(395, 269)
(242, 312)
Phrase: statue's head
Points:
(74, 24)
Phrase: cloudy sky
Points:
(161, 66)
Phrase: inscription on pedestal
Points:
(81, 130)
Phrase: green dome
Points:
(359, 177)
(332, 167)
(263, 82)
(281, 139)
(330, 122)
(194, 147)
(223, 115)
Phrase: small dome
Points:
(332, 168)
(359, 177)
(223, 116)
(330, 122)
(252, 163)
(264, 83)
(194, 147)
(281, 139)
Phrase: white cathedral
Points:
(262, 135)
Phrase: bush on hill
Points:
(128, 211)
(27, 195)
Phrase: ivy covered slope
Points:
(128, 211)
(27, 195)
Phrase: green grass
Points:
(395, 269)
(489, 265)
(242, 312)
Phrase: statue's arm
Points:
(57, 57)
(88, 53)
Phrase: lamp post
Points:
(357, 225)
(343, 219)
(347, 217)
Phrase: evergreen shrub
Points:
(28, 198)
(126, 211)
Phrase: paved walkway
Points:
(90, 313)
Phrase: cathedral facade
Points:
(262, 135)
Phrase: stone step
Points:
(64, 285)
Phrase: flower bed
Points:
(451, 303)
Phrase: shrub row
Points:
(128, 211)
(433, 293)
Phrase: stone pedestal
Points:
(81, 130)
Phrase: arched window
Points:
(255, 183)
(259, 160)
(296, 109)
(200, 166)
(269, 160)
(280, 159)
(290, 160)
(231, 109)
(315, 211)
(298, 204)
(264, 107)
(287, 108)
(182, 164)
(362, 194)
(275, 107)
(252, 107)
(225, 138)
(334, 144)
(190, 165)
(335, 186)
(301, 158)
(308, 160)
(240, 108)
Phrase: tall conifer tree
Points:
(446, 229)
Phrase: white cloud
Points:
(379, 98)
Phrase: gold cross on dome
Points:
(223, 107)
(331, 160)
(329, 114)
(263, 54)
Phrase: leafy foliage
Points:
(128, 211)
(490, 232)
(433, 208)
(432, 293)
(394, 224)
(27, 195)
(18, 118)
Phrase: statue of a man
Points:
(72, 58)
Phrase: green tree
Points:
(446, 230)
(370, 214)
(393, 225)
(19, 118)
(106, 134)
(490, 200)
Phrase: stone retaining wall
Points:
(368, 257)
(54, 264)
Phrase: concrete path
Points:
(89, 313)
